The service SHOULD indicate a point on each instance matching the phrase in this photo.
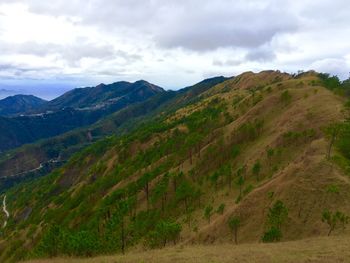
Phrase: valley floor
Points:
(323, 249)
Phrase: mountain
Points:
(56, 117)
(103, 95)
(49, 153)
(18, 104)
(258, 157)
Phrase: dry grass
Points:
(331, 249)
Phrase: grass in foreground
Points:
(323, 249)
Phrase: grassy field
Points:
(325, 249)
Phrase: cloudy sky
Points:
(47, 47)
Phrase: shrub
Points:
(164, 231)
(208, 211)
(286, 97)
(220, 209)
(272, 235)
(332, 219)
(276, 217)
(234, 223)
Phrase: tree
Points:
(269, 153)
(256, 169)
(234, 223)
(184, 192)
(214, 178)
(144, 183)
(240, 182)
(163, 232)
(286, 97)
(332, 219)
(227, 172)
(160, 191)
(122, 211)
(276, 217)
(52, 242)
(220, 209)
(208, 211)
(332, 132)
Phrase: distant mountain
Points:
(76, 108)
(19, 104)
(103, 95)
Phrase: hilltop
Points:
(253, 148)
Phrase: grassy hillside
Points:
(248, 153)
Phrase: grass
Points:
(322, 249)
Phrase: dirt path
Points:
(5, 211)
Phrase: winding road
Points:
(5, 211)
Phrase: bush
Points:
(164, 231)
(286, 97)
(276, 217)
(274, 234)
(220, 209)
(208, 211)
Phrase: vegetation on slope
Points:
(252, 149)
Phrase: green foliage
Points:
(333, 189)
(339, 134)
(249, 131)
(256, 169)
(235, 151)
(164, 231)
(52, 242)
(276, 217)
(248, 189)
(286, 98)
(220, 209)
(330, 82)
(208, 211)
(257, 99)
(333, 219)
(236, 100)
(240, 182)
(274, 234)
(234, 223)
(296, 137)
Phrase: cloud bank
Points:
(171, 43)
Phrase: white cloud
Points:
(172, 43)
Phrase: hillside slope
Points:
(240, 149)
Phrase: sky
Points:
(49, 47)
